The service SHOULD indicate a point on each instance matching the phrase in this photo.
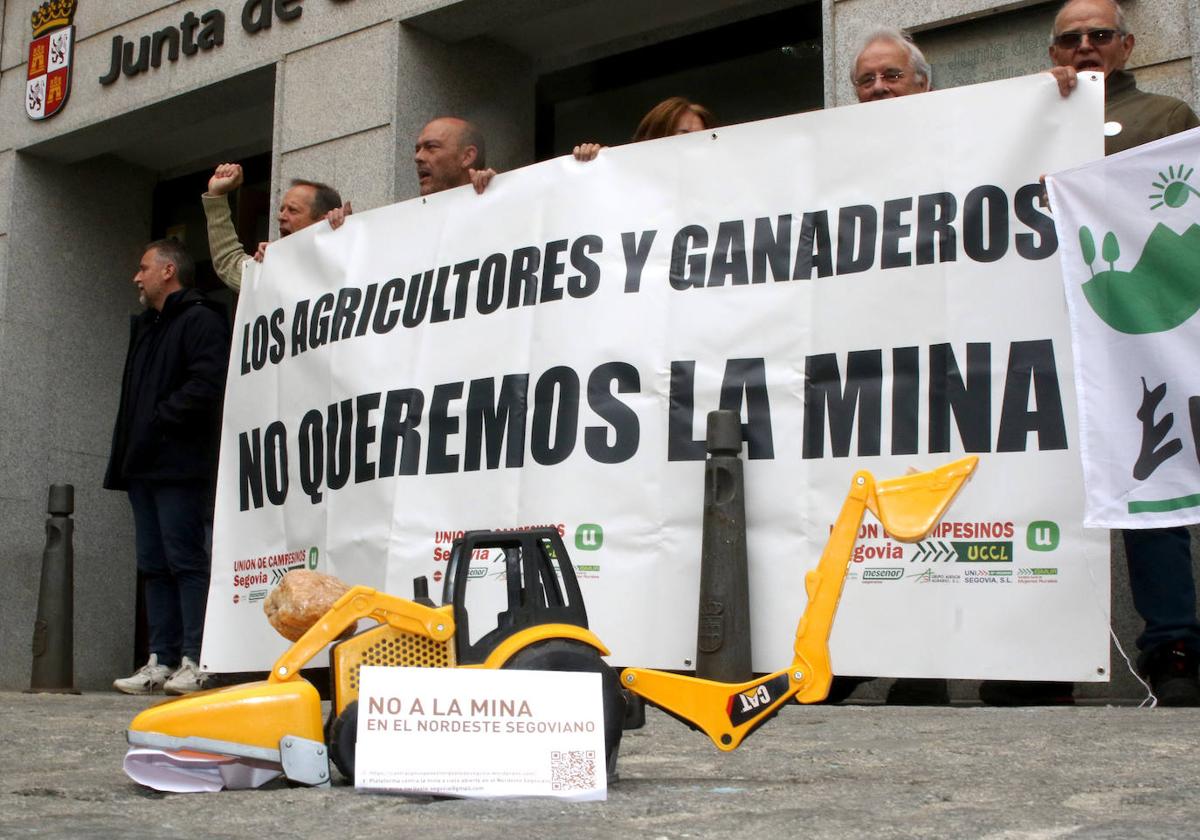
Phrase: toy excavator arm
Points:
(908, 508)
(436, 623)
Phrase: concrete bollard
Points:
(723, 633)
(54, 628)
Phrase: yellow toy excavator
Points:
(544, 627)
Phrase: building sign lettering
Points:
(195, 33)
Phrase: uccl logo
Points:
(589, 537)
(882, 574)
(1042, 536)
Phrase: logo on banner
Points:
(983, 552)
(1037, 574)
(48, 77)
(987, 576)
(930, 576)
(255, 577)
(589, 537)
(882, 574)
(1042, 536)
(932, 551)
(1169, 265)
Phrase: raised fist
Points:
(225, 179)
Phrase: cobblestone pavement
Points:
(816, 772)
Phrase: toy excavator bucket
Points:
(911, 505)
(264, 723)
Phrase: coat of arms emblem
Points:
(48, 80)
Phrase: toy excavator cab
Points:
(539, 589)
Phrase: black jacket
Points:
(169, 421)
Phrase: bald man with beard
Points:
(450, 153)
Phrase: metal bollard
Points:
(723, 635)
(54, 628)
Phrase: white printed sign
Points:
(481, 734)
(875, 286)
(1130, 232)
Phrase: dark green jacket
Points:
(1144, 117)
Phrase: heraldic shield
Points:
(49, 75)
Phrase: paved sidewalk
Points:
(813, 772)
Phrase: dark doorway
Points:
(177, 212)
(762, 67)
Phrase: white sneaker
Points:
(149, 679)
(187, 679)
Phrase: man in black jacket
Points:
(164, 454)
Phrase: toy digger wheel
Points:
(565, 655)
(343, 738)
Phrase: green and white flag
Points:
(1129, 231)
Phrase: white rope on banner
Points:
(1149, 698)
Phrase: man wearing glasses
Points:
(1092, 35)
(889, 64)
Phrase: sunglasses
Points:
(1096, 37)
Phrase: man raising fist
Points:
(305, 203)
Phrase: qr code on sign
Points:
(573, 770)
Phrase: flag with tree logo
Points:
(1129, 231)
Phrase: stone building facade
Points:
(337, 90)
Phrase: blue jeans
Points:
(1164, 592)
(170, 521)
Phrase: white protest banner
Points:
(1130, 250)
(481, 734)
(872, 287)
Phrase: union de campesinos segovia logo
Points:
(48, 73)
(1162, 290)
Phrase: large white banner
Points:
(1131, 264)
(874, 286)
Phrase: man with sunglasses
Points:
(889, 64)
(1092, 35)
